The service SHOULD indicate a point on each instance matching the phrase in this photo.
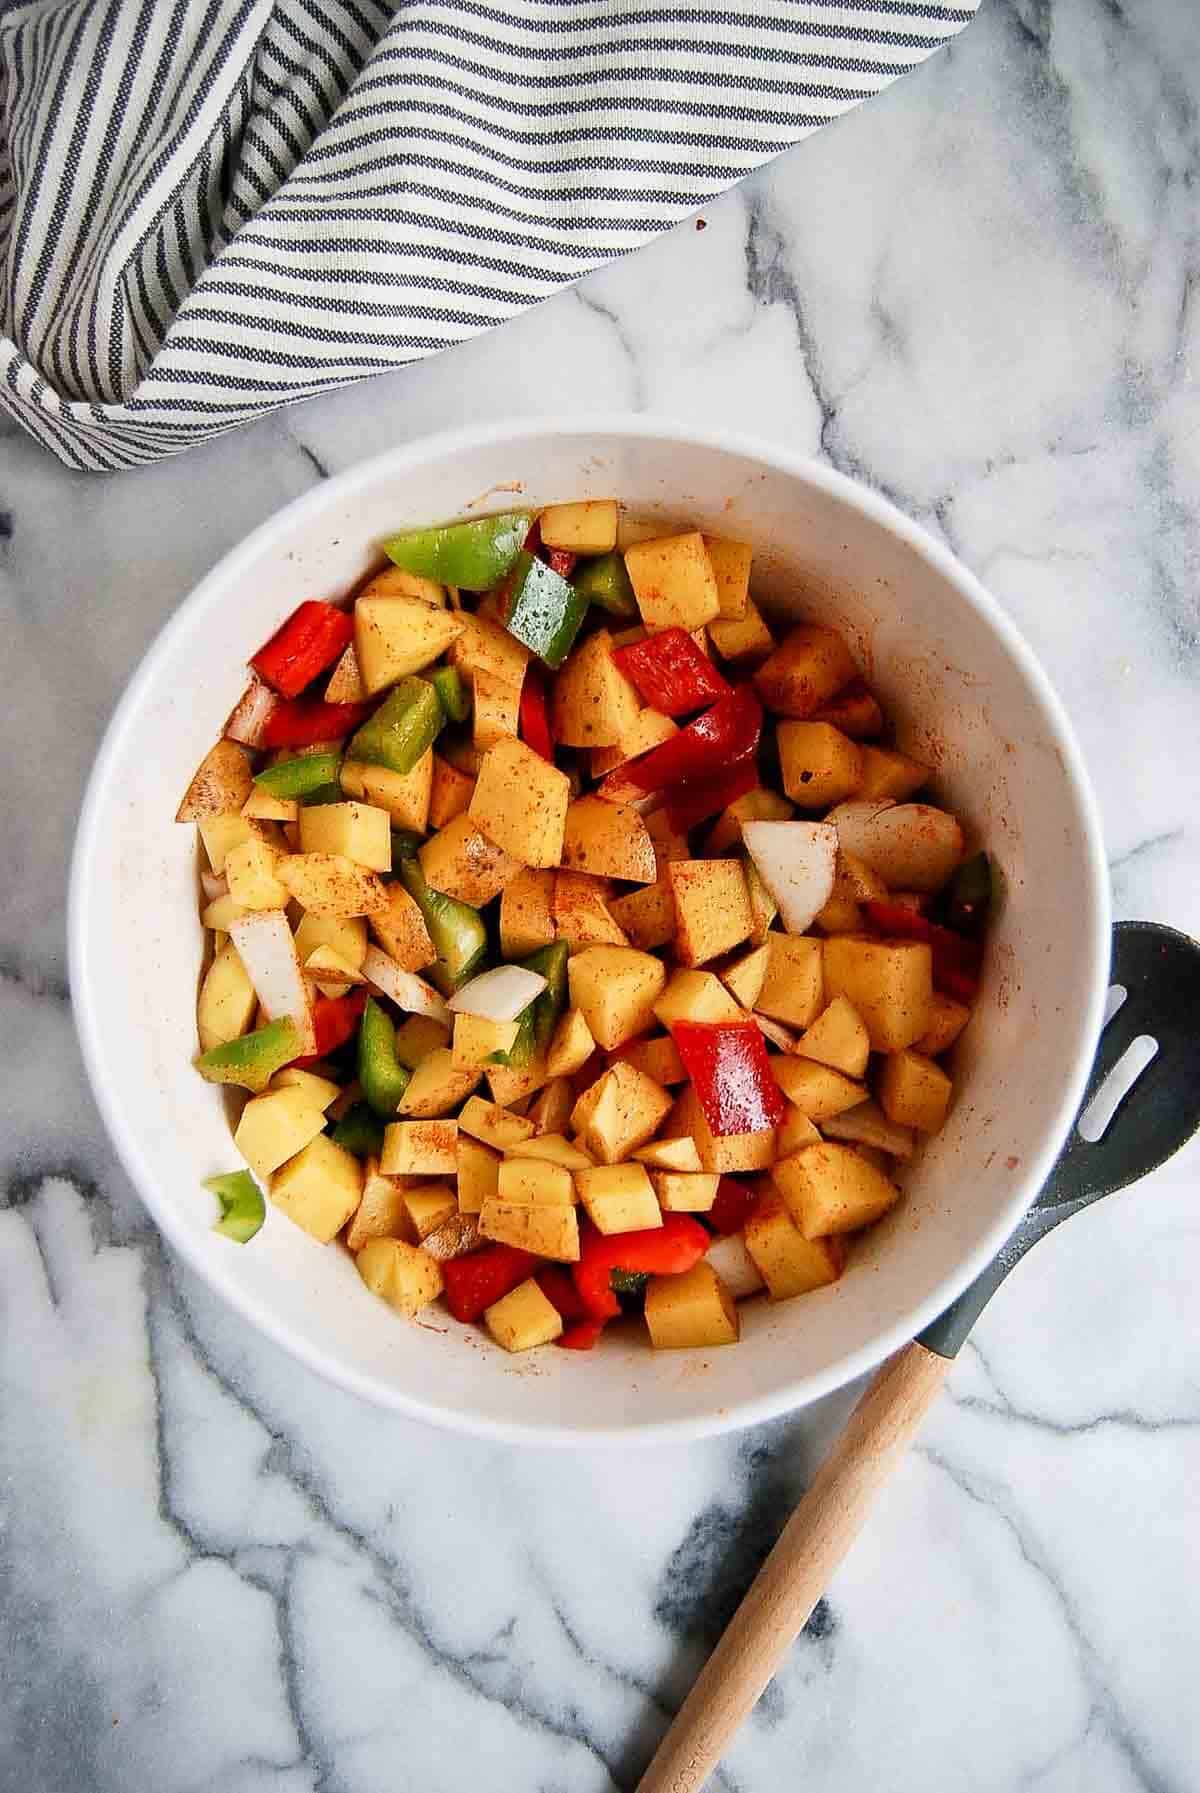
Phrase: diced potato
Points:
(221, 834)
(807, 668)
(550, 1110)
(449, 792)
(840, 915)
(626, 1108)
(227, 1000)
(321, 1091)
(593, 704)
(890, 983)
(865, 1125)
(330, 885)
(394, 582)
(619, 787)
(520, 803)
(692, 1310)
(619, 1198)
(754, 806)
(455, 1238)
(838, 1037)
(381, 1214)
(586, 527)
(332, 974)
(726, 1153)
(886, 773)
(673, 581)
(402, 796)
(696, 996)
(417, 1037)
(607, 839)
(817, 1090)
(218, 914)
(359, 831)
(401, 931)
(515, 1083)
(476, 1041)
(912, 846)
(832, 1189)
(657, 1058)
(914, 1092)
(478, 1171)
(793, 987)
(495, 710)
(818, 763)
(854, 878)
(685, 1192)
(947, 1019)
(274, 1127)
(550, 1229)
(420, 1149)
(647, 916)
(668, 842)
(571, 1046)
(483, 646)
(650, 729)
(406, 1277)
(615, 988)
(463, 863)
(742, 639)
(397, 636)
(527, 913)
(795, 1132)
(763, 907)
(494, 1125)
(345, 681)
(789, 1263)
(261, 806)
(523, 1318)
(854, 711)
(346, 936)
(250, 871)
(429, 1208)
(744, 976)
(319, 1188)
(220, 785)
(535, 1180)
(436, 1086)
(670, 1154)
(730, 562)
(552, 1148)
(712, 907)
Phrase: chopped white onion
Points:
(866, 1125)
(214, 885)
(734, 1265)
(780, 1036)
(250, 713)
(796, 861)
(267, 949)
(408, 991)
(500, 994)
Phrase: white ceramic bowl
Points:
(968, 698)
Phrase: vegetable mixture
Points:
(578, 943)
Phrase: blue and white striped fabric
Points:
(212, 207)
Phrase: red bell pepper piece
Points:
(561, 561)
(560, 1292)
(956, 960)
(334, 1021)
(700, 798)
(307, 720)
(311, 639)
(732, 1207)
(671, 673)
(731, 1073)
(581, 1336)
(473, 1283)
(720, 738)
(666, 1250)
(533, 718)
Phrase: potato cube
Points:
(455, 1238)
(685, 1192)
(650, 729)
(260, 806)
(535, 1181)
(274, 1127)
(619, 1198)
(403, 1275)
(742, 639)
(482, 646)
(395, 582)
(838, 1037)
(947, 1019)
(250, 870)
(673, 581)
(420, 1149)
(449, 792)
(520, 803)
(832, 1189)
(463, 863)
(615, 988)
(588, 526)
(730, 562)
(622, 1110)
(319, 1188)
(332, 974)
(527, 913)
(218, 915)
(347, 936)
(428, 1208)
(571, 1046)
(345, 681)
(795, 1132)
(395, 636)
(789, 1263)
(696, 996)
(476, 1041)
(381, 1213)
(509, 1084)
(793, 986)
(670, 1154)
(886, 773)
(581, 913)
(549, 1229)
(726, 1153)
(866, 1126)
(495, 711)
(817, 1090)
(221, 834)
(321, 1091)
(855, 878)
(593, 704)
(523, 1318)
(493, 1125)
(417, 1037)
(402, 796)
(744, 976)
(401, 931)
(607, 839)
(647, 916)
(227, 1000)
(712, 907)
(818, 763)
(331, 885)
(436, 1086)
(754, 806)
(478, 1172)
(914, 1092)
(889, 982)
(690, 1311)
(552, 1148)
(807, 668)
(550, 1110)
(657, 1058)
(220, 785)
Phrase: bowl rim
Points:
(116, 1114)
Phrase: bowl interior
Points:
(967, 698)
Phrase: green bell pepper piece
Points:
(544, 610)
(536, 1023)
(970, 894)
(604, 581)
(457, 931)
(359, 1131)
(243, 1209)
(403, 728)
(303, 776)
(453, 693)
(471, 555)
(628, 1282)
(384, 1079)
(252, 1060)
(405, 845)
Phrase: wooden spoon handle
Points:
(795, 1575)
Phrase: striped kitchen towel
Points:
(212, 207)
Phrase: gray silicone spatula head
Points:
(1142, 1102)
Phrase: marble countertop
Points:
(980, 294)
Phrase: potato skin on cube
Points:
(220, 785)
(692, 1310)
(673, 581)
(889, 982)
(520, 802)
(712, 908)
(809, 666)
(615, 989)
(523, 1318)
(914, 1092)
(401, 932)
(319, 1188)
(403, 1275)
(789, 1263)
(832, 1189)
(607, 839)
(463, 863)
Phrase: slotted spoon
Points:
(1142, 1104)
